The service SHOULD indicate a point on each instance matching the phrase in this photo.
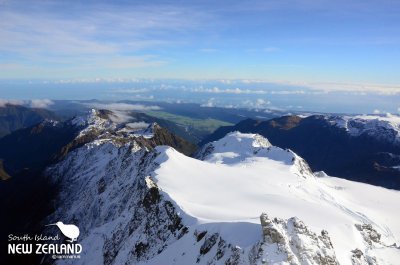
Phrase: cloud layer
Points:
(121, 110)
(40, 103)
(4, 102)
(34, 103)
(123, 107)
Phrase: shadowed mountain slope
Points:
(13, 117)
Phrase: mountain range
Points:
(143, 195)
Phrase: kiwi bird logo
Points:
(70, 231)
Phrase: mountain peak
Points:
(93, 117)
(237, 147)
(102, 126)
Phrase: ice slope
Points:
(242, 175)
(382, 127)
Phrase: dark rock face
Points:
(209, 242)
(164, 137)
(199, 236)
(326, 147)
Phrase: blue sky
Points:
(332, 46)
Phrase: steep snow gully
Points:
(239, 200)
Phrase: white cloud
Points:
(97, 80)
(137, 125)
(40, 103)
(165, 87)
(288, 92)
(227, 81)
(257, 104)
(254, 81)
(34, 103)
(275, 109)
(377, 111)
(261, 102)
(210, 103)
(4, 102)
(398, 109)
(119, 116)
(361, 88)
(121, 110)
(357, 88)
(141, 97)
(228, 90)
(123, 107)
(133, 90)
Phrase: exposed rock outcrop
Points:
(291, 241)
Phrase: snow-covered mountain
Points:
(361, 148)
(385, 128)
(239, 201)
(48, 142)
